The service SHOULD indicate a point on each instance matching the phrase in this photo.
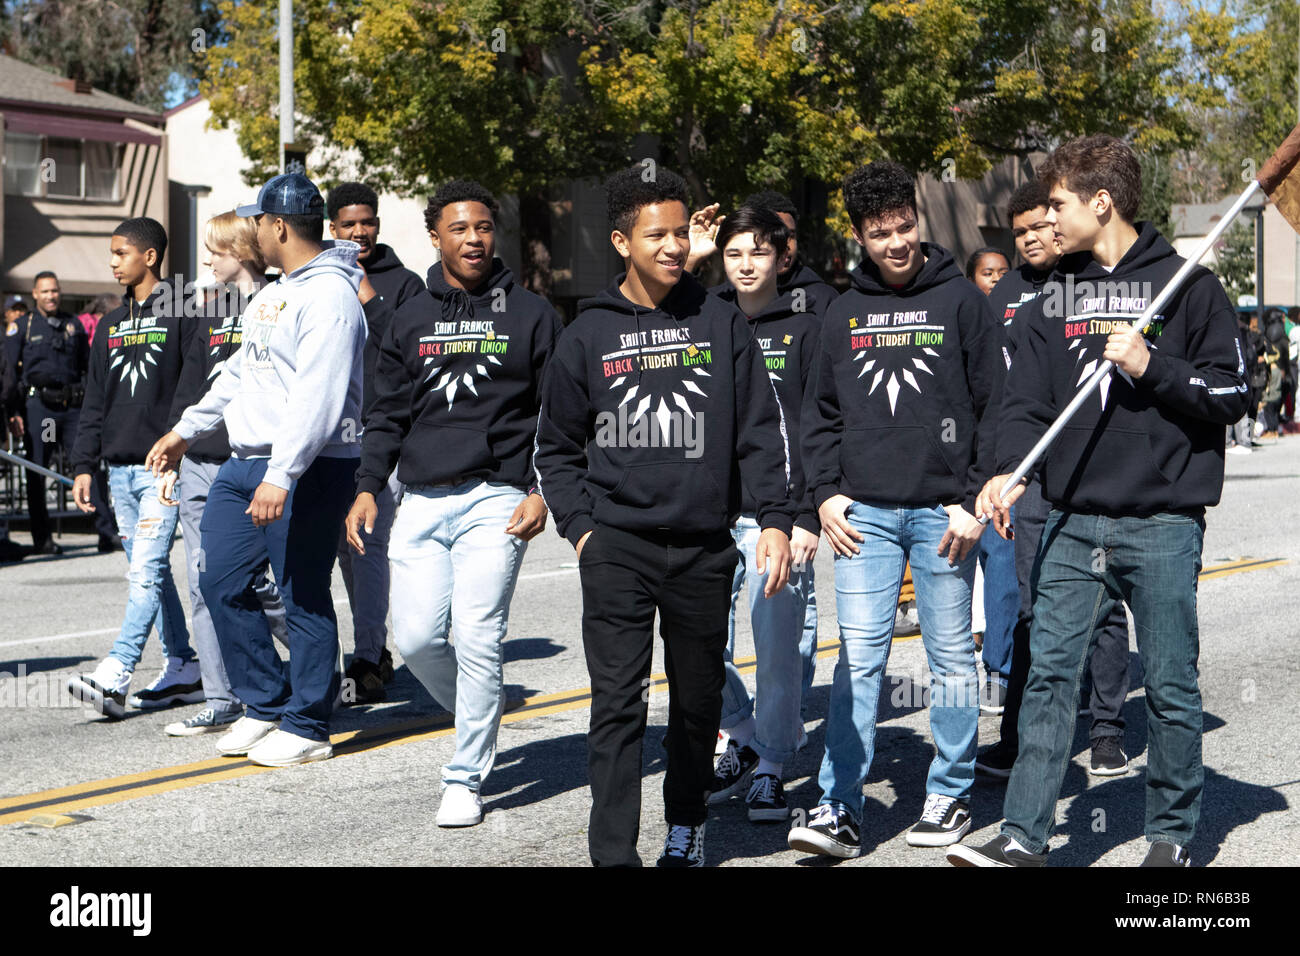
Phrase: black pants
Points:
(47, 428)
(626, 577)
(1109, 665)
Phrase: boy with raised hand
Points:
(1109, 664)
(1128, 480)
(896, 438)
(457, 388)
(135, 364)
(655, 397)
(754, 243)
(291, 403)
(354, 215)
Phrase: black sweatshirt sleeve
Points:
(986, 368)
(379, 318)
(1028, 405)
(808, 349)
(821, 427)
(193, 382)
(761, 442)
(90, 429)
(560, 448)
(544, 345)
(388, 419)
(1210, 383)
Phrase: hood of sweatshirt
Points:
(939, 267)
(454, 300)
(338, 256)
(383, 259)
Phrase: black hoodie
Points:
(647, 415)
(899, 409)
(1132, 448)
(215, 338)
(391, 279)
(802, 277)
(1013, 290)
(135, 365)
(788, 339)
(457, 384)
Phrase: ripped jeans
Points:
(148, 528)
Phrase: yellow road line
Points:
(96, 793)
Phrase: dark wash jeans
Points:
(300, 549)
(626, 576)
(1086, 564)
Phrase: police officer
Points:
(53, 352)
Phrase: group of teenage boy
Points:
(687, 442)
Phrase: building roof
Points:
(1197, 219)
(23, 83)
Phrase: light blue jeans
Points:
(148, 528)
(454, 569)
(866, 593)
(778, 624)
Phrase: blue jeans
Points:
(192, 489)
(1086, 564)
(453, 571)
(300, 549)
(778, 624)
(366, 578)
(866, 592)
(997, 557)
(148, 528)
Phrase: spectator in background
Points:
(100, 307)
(1277, 353)
(986, 266)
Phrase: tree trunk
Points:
(535, 242)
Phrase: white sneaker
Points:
(1239, 450)
(179, 682)
(461, 807)
(283, 749)
(104, 688)
(246, 732)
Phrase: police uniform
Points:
(53, 354)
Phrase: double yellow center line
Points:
(132, 786)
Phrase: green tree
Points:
(146, 51)
(1234, 260)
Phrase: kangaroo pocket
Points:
(1112, 470)
(682, 494)
(437, 453)
(902, 463)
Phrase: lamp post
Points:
(1256, 208)
(286, 79)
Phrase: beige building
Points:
(1193, 222)
(77, 161)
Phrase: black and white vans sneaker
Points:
(178, 683)
(830, 832)
(1164, 853)
(1002, 850)
(1108, 758)
(766, 799)
(944, 821)
(731, 773)
(683, 847)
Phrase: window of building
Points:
(51, 166)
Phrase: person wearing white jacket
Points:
(291, 403)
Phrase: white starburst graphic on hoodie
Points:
(450, 382)
(662, 413)
(225, 330)
(892, 385)
(1087, 366)
(136, 367)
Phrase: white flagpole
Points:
(32, 466)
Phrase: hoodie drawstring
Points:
(454, 302)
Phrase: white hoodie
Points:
(293, 391)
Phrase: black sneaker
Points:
(944, 821)
(109, 545)
(830, 832)
(362, 684)
(46, 547)
(1164, 853)
(1002, 850)
(683, 847)
(996, 761)
(1108, 758)
(386, 666)
(993, 700)
(766, 799)
(732, 771)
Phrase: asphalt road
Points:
(374, 802)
